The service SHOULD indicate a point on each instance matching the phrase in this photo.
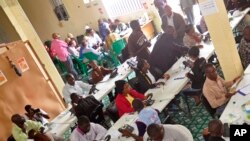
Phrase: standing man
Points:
(175, 20)
(160, 4)
(59, 48)
(187, 8)
(137, 42)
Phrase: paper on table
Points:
(244, 90)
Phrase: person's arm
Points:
(122, 104)
(66, 95)
(85, 86)
(136, 94)
(44, 114)
(144, 85)
(105, 71)
(100, 131)
(213, 101)
(98, 38)
(18, 134)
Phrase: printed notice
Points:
(22, 64)
(208, 7)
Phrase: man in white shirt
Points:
(73, 86)
(175, 20)
(87, 131)
(94, 40)
(165, 132)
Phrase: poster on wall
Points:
(22, 64)
(3, 79)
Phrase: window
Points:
(117, 8)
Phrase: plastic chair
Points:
(117, 48)
(208, 107)
(60, 66)
(80, 65)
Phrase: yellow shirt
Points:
(110, 39)
(129, 98)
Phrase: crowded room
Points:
(124, 70)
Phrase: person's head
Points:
(117, 22)
(169, 30)
(74, 97)
(29, 109)
(112, 27)
(168, 10)
(137, 104)
(122, 87)
(155, 132)
(47, 44)
(194, 53)
(110, 21)
(18, 120)
(135, 25)
(90, 32)
(215, 128)
(143, 65)
(100, 21)
(70, 79)
(92, 64)
(70, 35)
(85, 41)
(210, 72)
(56, 36)
(189, 29)
(72, 43)
(83, 124)
(246, 33)
(160, 3)
(67, 40)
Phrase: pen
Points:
(179, 78)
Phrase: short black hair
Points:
(119, 86)
(73, 96)
(134, 24)
(153, 129)
(88, 30)
(207, 66)
(137, 104)
(27, 107)
(83, 120)
(117, 20)
(68, 75)
(188, 28)
(215, 126)
(194, 51)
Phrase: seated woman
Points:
(125, 97)
(72, 48)
(98, 72)
(191, 37)
(197, 76)
(147, 76)
(111, 38)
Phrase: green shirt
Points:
(19, 135)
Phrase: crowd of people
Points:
(179, 38)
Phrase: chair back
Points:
(91, 56)
(80, 65)
(118, 46)
(97, 115)
(208, 107)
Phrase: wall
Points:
(7, 31)
(45, 22)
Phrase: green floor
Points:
(196, 122)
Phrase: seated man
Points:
(166, 132)
(98, 72)
(25, 129)
(244, 49)
(73, 86)
(94, 40)
(83, 106)
(125, 97)
(87, 131)
(120, 27)
(85, 48)
(216, 90)
(36, 114)
(214, 131)
(147, 76)
(146, 116)
(191, 37)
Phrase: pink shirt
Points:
(215, 91)
(59, 48)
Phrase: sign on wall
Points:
(22, 64)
